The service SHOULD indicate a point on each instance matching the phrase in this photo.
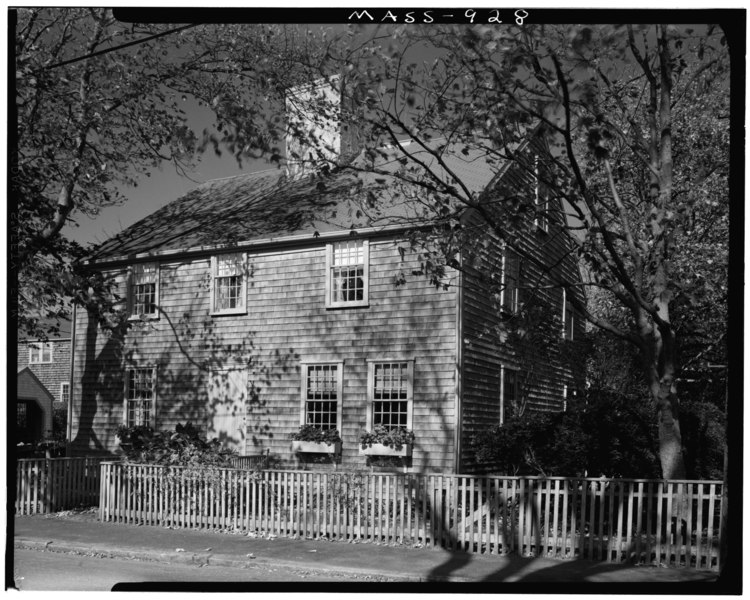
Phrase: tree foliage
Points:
(634, 120)
(101, 103)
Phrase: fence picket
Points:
(710, 528)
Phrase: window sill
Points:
(383, 450)
(229, 313)
(151, 317)
(340, 305)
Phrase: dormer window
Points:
(229, 284)
(144, 290)
(347, 274)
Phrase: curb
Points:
(216, 560)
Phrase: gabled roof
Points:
(267, 204)
(33, 380)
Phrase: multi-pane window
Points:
(510, 277)
(139, 395)
(347, 273)
(228, 283)
(321, 395)
(568, 317)
(390, 392)
(40, 352)
(144, 289)
(509, 392)
(64, 392)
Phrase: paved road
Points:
(35, 570)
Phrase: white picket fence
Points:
(614, 520)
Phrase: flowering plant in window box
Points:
(314, 439)
(384, 441)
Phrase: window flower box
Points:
(316, 447)
(386, 441)
(316, 440)
(383, 450)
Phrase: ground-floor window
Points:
(322, 385)
(390, 391)
(140, 396)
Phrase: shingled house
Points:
(262, 302)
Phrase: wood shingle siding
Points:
(485, 351)
(286, 323)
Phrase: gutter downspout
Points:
(69, 424)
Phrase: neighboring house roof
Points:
(267, 204)
(30, 386)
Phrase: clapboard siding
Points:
(286, 323)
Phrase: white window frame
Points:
(568, 333)
(152, 409)
(365, 301)
(37, 352)
(371, 363)
(63, 386)
(503, 391)
(238, 310)
(504, 278)
(133, 281)
(339, 389)
(541, 205)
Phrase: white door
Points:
(227, 396)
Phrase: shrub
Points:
(182, 447)
(394, 438)
(311, 433)
(601, 434)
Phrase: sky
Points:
(163, 186)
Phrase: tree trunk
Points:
(670, 437)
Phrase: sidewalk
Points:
(85, 535)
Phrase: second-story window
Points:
(40, 352)
(568, 317)
(347, 273)
(228, 283)
(144, 290)
(510, 276)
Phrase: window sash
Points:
(65, 392)
(228, 283)
(568, 317)
(321, 394)
(390, 389)
(509, 281)
(139, 396)
(347, 273)
(144, 289)
(40, 352)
